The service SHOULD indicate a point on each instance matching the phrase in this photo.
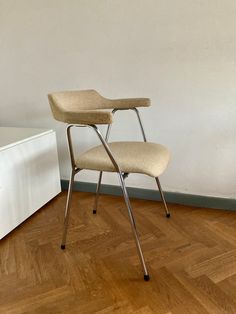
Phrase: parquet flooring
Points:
(191, 258)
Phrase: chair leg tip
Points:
(168, 215)
(146, 278)
(94, 211)
(63, 246)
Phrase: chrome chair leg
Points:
(162, 197)
(95, 206)
(133, 225)
(67, 211)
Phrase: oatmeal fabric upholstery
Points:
(132, 157)
(88, 106)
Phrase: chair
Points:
(87, 108)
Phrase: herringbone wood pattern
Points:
(191, 258)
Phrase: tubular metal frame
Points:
(162, 197)
(95, 206)
(126, 175)
(121, 176)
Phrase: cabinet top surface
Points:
(10, 136)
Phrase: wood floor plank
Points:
(216, 268)
(228, 285)
(214, 300)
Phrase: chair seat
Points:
(132, 157)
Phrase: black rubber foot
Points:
(94, 211)
(146, 277)
(63, 246)
(168, 215)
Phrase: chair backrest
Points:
(78, 100)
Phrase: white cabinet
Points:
(29, 174)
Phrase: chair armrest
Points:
(87, 117)
(127, 103)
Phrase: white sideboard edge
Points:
(31, 133)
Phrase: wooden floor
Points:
(191, 258)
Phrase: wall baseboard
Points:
(171, 197)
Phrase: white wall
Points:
(181, 54)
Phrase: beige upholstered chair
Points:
(89, 108)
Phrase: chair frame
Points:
(121, 176)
